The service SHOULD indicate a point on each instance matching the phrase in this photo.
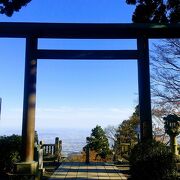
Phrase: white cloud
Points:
(81, 116)
(66, 116)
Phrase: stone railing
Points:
(48, 149)
(52, 150)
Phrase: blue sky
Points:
(75, 94)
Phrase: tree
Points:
(98, 142)
(165, 77)
(127, 129)
(155, 11)
(127, 132)
(165, 66)
(110, 132)
(8, 7)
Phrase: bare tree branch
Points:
(165, 76)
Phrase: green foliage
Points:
(126, 132)
(155, 11)
(10, 151)
(8, 7)
(99, 142)
(152, 160)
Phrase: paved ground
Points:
(87, 171)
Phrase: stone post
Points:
(87, 149)
(57, 148)
(56, 145)
(60, 149)
(87, 154)
(173, 144)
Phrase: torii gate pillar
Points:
(29, 100)
(28, 165)
(144, 89)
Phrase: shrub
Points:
(152, 160)
(10, 151)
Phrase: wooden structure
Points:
(33, 31)
(53, 149)
(47, 150)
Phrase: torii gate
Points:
(33, 31)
